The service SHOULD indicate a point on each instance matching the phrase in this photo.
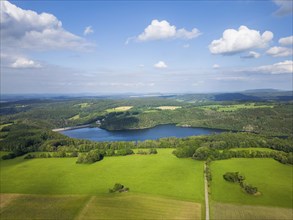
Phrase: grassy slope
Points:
(161, 174)
(222, 211)
(273, 179)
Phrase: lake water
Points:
(161, 131)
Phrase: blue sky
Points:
(145, 46)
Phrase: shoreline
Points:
(71, 128)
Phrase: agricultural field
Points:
(226, 211)
(75, 117)
(119, 109)
(168, 107)
(115, 206)
(273, 180)
(160, 185)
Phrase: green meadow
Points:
(273, 180)
(161, 174)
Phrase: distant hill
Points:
(261, 90)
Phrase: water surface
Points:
(161, 131)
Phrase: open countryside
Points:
(146, 110)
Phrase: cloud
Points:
(237, 41)
(159, 30)
(88, 30)
(21, 63)
(30, 30)
(231, 78)
(18, 62)
(216, 66)
(286, 40)
(280, 51)
(285, 7)
(277, 68)
(160, 65)
(251, 55)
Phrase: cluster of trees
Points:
(90, 157)
(217, 147)
(118, 188)
(203, 153)
(235, 177)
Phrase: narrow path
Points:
(206, 194)
(84, 209)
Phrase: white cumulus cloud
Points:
(22, 63)
(285, 7)
(277, 68)
(237, 41)
(160, 65)
(251, 55)
(158, 30)
(280, 51)
(30, 30)
(286, 40)
(88, 30)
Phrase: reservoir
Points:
(161, 131)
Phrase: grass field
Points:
(222, 211)
(4, 125)
(168, 107)
(161, 174)
(75, 117)
(84, 105)
(273, 179)
(112, 206)
(119, 109)
(230, 108)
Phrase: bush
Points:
(29, 156)
(249, 189)
(142, 152)
(8, 156)
(90, 157)
(124, 152)
(153, 151)
(118, 188)
(234, 177)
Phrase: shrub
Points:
(8, 156)
(124, 152)
(142, 152)
(234, 177)
(90, 157)
(118, 188)
(249, 189)
(29, 156)
(153, 151)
